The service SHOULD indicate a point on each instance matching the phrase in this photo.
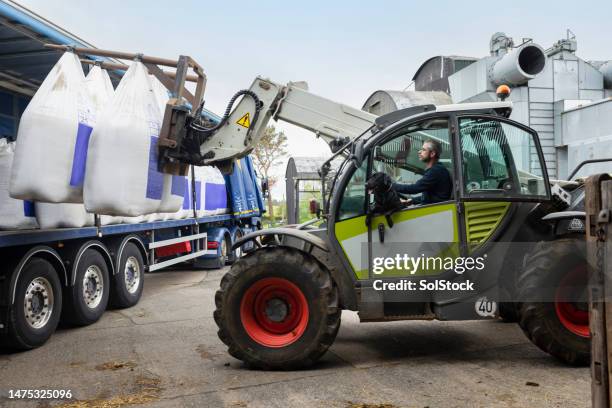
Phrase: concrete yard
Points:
(164, 352)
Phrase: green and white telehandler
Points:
(509, 243)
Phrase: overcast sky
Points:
(345, 50)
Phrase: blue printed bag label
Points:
(155, 179)
(178, 186)
(198, 194)
(215, 196)
(79, 159)
(28, 208)
(187, 194)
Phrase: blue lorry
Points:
(73, 274)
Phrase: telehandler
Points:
(279, 306)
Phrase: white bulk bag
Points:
(121, 176)
(110, 220)
(161, 93)
(14, 214)
(186, 209)
(173, 192)
(214, 192)
(52, 139)
(99, 87)
(133, 220)
(154, 217)
(64, 215)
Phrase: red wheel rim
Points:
(274, 312)
(571, 316)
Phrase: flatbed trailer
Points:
(76, 268)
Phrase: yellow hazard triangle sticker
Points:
(245, 120)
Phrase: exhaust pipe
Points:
(519, 65)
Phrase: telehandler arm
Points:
(185, 138)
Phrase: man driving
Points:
(436, 185)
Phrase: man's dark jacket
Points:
(435, 186)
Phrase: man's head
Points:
(430, 152)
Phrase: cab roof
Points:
(495, 108)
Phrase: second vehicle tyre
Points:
(128, 282)
(86, 300)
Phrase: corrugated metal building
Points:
(565, 82)
(433, 74)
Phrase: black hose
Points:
(205, 133)
(197, 134)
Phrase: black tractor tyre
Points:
(545, 269)
(128, 282)
(242, 323)
(80, 308)
(23, 335)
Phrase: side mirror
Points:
(314, 207)
(264, 186)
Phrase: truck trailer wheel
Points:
(38, 303)
(128, 282)
(557, 271)
(278, 309)
(86, 300)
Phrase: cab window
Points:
(354, 195)
(399, 158)
(499, 159)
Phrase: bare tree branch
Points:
(271, 147)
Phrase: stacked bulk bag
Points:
(160, 92)
(65, 215)
(214, 195)
(100, 88)
(52, 139)
(133, 220)
(14, 214)
(121, 176)
(100, 91)
(110, 220)
(189, 199)
(173, 192)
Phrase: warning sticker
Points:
(245, 120)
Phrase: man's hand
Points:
(406, 202)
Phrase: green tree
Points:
(267, 153)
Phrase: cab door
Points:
(428, 231)
(418, 230)
(502, 166)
